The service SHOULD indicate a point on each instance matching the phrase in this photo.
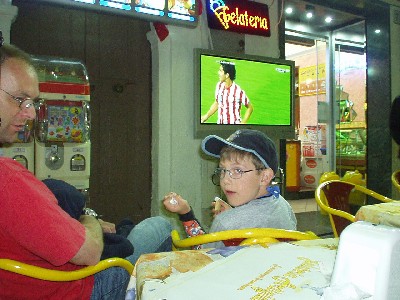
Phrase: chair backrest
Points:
(246, 236)
(396, 179)
(336, 195)
(333, 197)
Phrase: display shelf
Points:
(351, 147)
(351, 125)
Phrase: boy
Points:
(248, 163)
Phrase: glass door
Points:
(350, 100)
(310, 56)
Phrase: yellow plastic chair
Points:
(396, 179)
(55, 275)
(333, 197)
(249, 236)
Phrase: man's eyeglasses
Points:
(236, 173)
(23, 102)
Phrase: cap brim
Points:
(213, 144)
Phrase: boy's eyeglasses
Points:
(23, 102)
(236, 173)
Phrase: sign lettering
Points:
(239, 16)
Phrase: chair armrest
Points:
(55, 275)
(248, 233)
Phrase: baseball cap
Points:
(395, 120)
(249, 140)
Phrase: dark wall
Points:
(117, 54)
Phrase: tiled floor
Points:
(309, 217)
(303, 205)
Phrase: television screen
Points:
(234, 91)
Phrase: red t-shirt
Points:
(35, 230)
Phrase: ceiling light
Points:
(289, 10)
(328, 19)
(310, 10)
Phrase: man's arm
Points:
(90, 252)
(210, 112)
(248, 113)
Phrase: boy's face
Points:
(250, 186)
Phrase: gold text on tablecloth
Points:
(281, 282)
(259, 277)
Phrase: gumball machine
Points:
(62, 130)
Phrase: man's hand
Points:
(107, 227)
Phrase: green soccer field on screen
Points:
(266, 84)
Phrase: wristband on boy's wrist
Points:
(187, 217)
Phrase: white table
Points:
(297, 270)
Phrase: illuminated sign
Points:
(180, 12)
(124, 4)
(239, 16)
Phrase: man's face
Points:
(19, 80)
(222, 75)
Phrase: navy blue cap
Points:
(252, 141)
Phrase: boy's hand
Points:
(176, 204)
(218, 206)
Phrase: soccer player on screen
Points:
(229, 98)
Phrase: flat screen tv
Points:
(262, 87)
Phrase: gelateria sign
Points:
(239, 16)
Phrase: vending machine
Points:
(62, 129)
(23, 149)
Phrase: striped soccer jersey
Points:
(230, 100)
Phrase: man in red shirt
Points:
(33, 228)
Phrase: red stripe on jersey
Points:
(227, 112)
